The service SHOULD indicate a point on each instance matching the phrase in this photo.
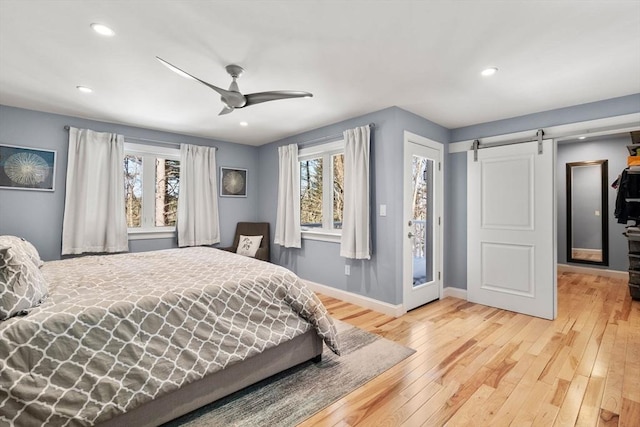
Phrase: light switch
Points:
(597, 213)
(383, 210)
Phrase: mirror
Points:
(587, 212)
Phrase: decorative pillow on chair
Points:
(22, 285)
(248, 245)
(21, 245)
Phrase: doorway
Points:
(422, 221)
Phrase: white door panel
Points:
(517, 280)
(511, 229)
(509, 179)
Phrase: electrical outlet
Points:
(347, 270)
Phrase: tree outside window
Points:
(322, 188)
(152, 186)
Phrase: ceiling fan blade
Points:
(225, 110)
(257, 98)
(222, 92)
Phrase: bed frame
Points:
(302, 348)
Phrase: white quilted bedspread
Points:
(120, 330)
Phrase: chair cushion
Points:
(22, 285)
(248, 245)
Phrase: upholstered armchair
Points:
(253, 229)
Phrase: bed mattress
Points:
(118, 331)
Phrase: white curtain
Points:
(287, 232)
(94, 206)
(355, 241)
(197, 221)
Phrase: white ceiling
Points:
(356, 57)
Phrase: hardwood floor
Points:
(479, 366)
(587, 255)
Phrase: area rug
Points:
(291, 397)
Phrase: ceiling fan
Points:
(232, 98)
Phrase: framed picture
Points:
(24, 168)
(233, 182)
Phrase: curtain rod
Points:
(336, 136)
(155, 141)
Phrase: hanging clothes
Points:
(628, 188)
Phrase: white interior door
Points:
(511, 243)
(422, 246)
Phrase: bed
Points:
(140, 339)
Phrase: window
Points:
(321, 190)
(152, 184)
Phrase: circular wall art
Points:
(26, 168)
(233, 182)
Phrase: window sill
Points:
(324, 236)
(142, 234)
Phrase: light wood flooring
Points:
(587, 255)
(480, 366)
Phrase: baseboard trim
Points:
(450, 291)
(366, 302)
(564, 268)
(398, 310)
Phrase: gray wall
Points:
(456, 187)
(37, 215)
(577, 113)
(381, 277)
(455, 226)
(611, 148)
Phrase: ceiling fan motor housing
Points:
(234, 71)
(234, 100)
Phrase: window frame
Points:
(150, 153)
(326, 151)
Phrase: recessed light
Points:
(103, 30)
(582, 137)
(489, 71)
(244, 124)
(84, 89)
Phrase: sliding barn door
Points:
(511, 260)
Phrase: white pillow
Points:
(248, 245)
